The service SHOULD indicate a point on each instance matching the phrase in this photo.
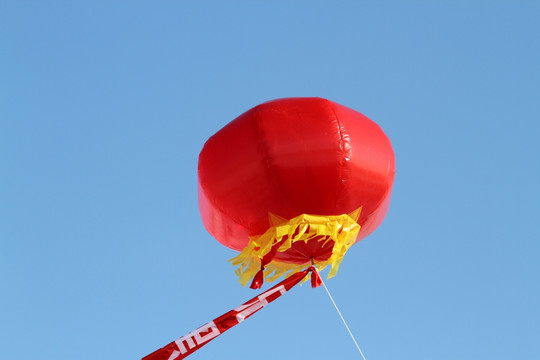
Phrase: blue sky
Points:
(106, 105)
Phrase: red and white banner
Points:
(193, 341)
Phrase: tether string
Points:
(342, 319)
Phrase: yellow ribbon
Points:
(341, 229)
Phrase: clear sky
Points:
(105, 105)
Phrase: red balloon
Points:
(290, 157)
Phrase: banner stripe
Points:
(193, 341)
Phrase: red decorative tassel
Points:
(316, 280)
(258, 280)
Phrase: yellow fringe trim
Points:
(342, 229)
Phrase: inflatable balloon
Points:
(291, 184)
(294, 182)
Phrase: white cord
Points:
(342, 319)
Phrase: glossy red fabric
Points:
(290, 157)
